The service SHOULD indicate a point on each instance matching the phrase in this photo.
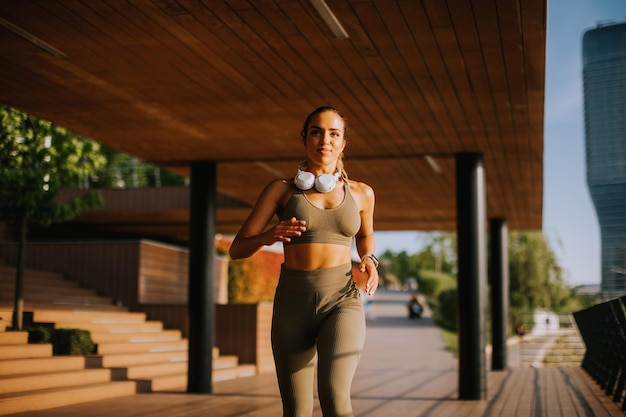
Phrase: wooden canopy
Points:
(232, 81)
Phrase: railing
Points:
(603, 329)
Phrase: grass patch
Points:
(450, 339)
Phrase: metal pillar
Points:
(201, 276)
(499, 273)
(472, 276)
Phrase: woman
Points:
(317, 306)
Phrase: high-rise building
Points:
(604, 79)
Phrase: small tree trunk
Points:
(18, 306)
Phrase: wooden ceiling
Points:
(232, 81)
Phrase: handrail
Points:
(603, 329)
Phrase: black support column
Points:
(499, 273)
(201, 276)
(472, 276)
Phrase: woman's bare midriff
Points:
(306, 256)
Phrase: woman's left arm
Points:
(365, 242)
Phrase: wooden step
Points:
(51, 288)
(239, 371)
(173, 382)
(149, 371)
(136, 337)
(25, 351)
(9, 270)
(6, 313)
(178, 382)
(34, 365)
(64, 299)
(40, 284)
(225, 361)
(87, 316)
(45, 380)
(130, 359)
(223, 367)
(7, 283)
(144, 327)
(136, 347)
(13, 338)
(30, 306)
(58, 397)
(49, 282)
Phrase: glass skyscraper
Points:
(604, 80)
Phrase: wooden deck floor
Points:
(404, 371)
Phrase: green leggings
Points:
(317, 310)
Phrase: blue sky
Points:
(569, 219)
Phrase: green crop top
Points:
(336, 225)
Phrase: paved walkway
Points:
(405, 371)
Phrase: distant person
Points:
(415, 307)
(317, 306)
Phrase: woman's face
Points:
(324, 141)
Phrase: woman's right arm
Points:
(252, 236)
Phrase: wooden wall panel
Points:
(163, 275)
(235, 328)
(264, 354)
(244, 330)
(110, 268)
(133, 272)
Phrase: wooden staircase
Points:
(133, 354)
(562, 349)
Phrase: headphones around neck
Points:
(323, 183)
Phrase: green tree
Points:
(399, 265)
(443, 249)
(536, 278)
(38, 159)
(438, 255)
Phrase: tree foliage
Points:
(38, 159)
(438, 255)
(535, 276)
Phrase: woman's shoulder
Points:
(360, 188)
(279, 190)
(280, 185)
(363, 194)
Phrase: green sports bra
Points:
(336, 225)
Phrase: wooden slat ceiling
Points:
(231, 81)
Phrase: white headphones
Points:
(323, 183)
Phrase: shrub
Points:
(39, 334)
(64, 341)
(445, 315)
(72, 342)
(433, 282)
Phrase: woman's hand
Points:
(367, 265)
(286, 229)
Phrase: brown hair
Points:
(323, 109)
